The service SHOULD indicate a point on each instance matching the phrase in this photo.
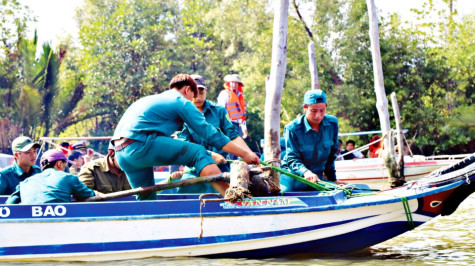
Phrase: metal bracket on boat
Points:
(467, 179)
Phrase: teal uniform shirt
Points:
(150, 121)
(12, 175)
(50, 186)
(216, 116)
(307, 149)
(165, 113)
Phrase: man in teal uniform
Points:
(142, 137)
(217, 116)
(311, 142)
(52, 185)
(24, 151)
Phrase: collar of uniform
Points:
(206, 106)
(104, 164)
(17, 169)
(308, 127)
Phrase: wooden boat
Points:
(336, 221)
(374, 173)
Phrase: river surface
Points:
(443, 240)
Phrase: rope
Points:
(408, 213)
(203, 203)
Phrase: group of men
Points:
(209, 134)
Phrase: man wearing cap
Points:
(24, 151)
(311, 142)
(142, 137)
(87, 153)
(217, 117)
(104, 174)
(52, 185)
(232, 98)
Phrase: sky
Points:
(57, 17)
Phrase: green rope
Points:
(298, 178)
(408, 213)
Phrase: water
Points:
(443, 240)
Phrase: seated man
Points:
(24, 151)
(104, 174)
(311, 142)
(52, 185)
(216, 116)
(350, 146)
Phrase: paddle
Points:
(146, 190)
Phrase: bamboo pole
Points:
(398, 179)
(274, 86)
(313, 66)
(381, 99)
(157, 187)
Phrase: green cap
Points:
(23, 144)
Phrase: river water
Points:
(443, 240)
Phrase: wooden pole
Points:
(313, 66)
(274, 86)
(399, 178)
(157, 187)
(381, 100)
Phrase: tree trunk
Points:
(275, 85)
(313, 66)
(398, 178)
(381, 100)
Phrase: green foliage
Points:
(132, 48)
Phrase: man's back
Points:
(52, 186)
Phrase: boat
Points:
(333, 221)
(373, 172)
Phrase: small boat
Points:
(336, 221)
(374, 173)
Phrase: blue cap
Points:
(314, 96)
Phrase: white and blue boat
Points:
(178, 225)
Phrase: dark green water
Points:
(441, 241)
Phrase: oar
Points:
(146, 190)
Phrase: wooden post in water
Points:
(274, 86)
(398, 179)
(381, 100)
(313, 66)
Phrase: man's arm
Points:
(292, 157)
(330, 171)
(86, 176)
(14, 198)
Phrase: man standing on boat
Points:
(142, 137)
(217, 117)
(24, 151)
(311, 142)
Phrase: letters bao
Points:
(38, 211)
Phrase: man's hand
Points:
(176, 175)
(218, 158)
(251, 158)
(338, 182)
(310, 176)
